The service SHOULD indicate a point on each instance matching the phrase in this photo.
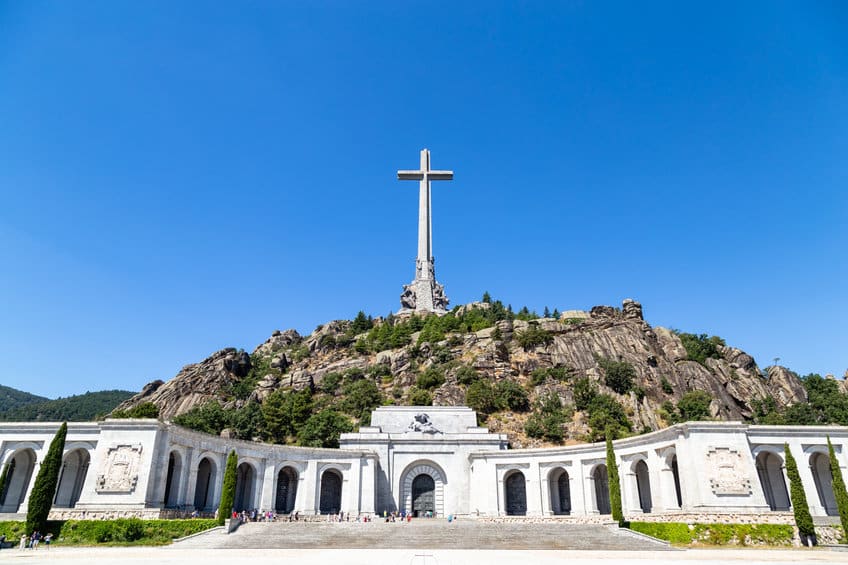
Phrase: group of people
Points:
(35, 539)
(256, 516)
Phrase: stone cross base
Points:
(424, 296)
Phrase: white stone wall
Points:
(128, 465)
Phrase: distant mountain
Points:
(12, 398)
(19, 406)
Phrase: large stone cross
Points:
(424, 294)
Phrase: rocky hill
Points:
(542, 380)
(18, 406)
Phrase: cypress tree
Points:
(44, 488)
(803, 520)
(613, 482)
(228, 494)
(839, 491)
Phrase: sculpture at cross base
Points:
(424, 294)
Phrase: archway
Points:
(331, 492)
(820, 467)
(643, 486)
(770, 472)
(172, 480)
(408, 493)
(244, 487)
(204, 487)
(602, 501)
(560, 491)
(18, 475)
(286, 490)
(515, 487)
(71, 478)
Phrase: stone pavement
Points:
(424, 534)
(171, 555)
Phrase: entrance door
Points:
(423, 495)
(331, 493)
(516, 494)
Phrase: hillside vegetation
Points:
(78, 408)
(559, 378)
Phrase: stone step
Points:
(425, 534)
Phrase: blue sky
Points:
(181, 177)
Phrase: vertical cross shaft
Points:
(425, 294)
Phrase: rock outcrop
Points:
(578, 340)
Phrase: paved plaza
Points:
(131, 556)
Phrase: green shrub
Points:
(533, 336)
(431, 378)
(323, 429)
(558, 373)
(228, 492)
(330, 383)
(618, 375)
(379, 371)
(361, 397)
(122, 531)
(285, 412)
(510, 395)
(584, 392)
(44, 488)
(701, 347)
(466, 375)
(420, 397)
(607, 415)
(482, 397)
(666, 386)
(209, 418)
(672, 532)
(694, 406)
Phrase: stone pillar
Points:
(185, 478)
(269, 487)
(368, 484)
(533, 490)
(308, 497)
(630, 490)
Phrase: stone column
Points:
(185, 476)
(533, 490)
(269, 487)
(307, 499)
(630, 491)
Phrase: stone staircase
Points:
(424, 534)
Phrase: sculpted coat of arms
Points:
(120, 470)
(727, 472)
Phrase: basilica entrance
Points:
(423, 495)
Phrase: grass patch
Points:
(717, 534)
(122, 531)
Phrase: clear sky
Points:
(179, 177)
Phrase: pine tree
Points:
(613, 481)
(839, 491)
(547, 313)
(803, 520)
(487, 298)
(44, 488)
(228, 493)
(555, 314)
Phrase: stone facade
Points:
(428, 459)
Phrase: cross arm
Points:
(410, 175)
(440, 175)
(419, 175)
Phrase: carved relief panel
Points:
(727, 472)
(120, 470)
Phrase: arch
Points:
(820, 467)
(18, 475)
(245, 478)
(172, 479)
(770, 471)
(601, 479)
(330, 500)
(205, 485)
(643, 485)
(72, 478)
(515, 494)
(408, 478)
(559, 485)
(286, 490)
